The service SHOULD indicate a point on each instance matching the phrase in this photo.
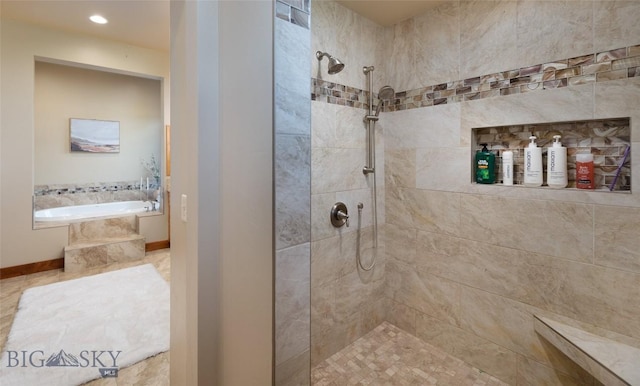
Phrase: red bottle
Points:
(584, 171)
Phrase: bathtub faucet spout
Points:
(151, 207)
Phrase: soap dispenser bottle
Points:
(557, 164)
(507, 167)
(485, 166)
(532, 164)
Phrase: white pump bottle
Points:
(557, 164)
(507, 167)
(532, 164)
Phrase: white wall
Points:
(222, 139)
(63, 92)
(20, 45)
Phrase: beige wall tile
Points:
(443, 168)
(292, 308)
(481, 353)
(604, 297)
(54, 201)
(322, 35)
(617, 99)
(325, 343)
(324, 257)
(101, 229)
(295, 371)
(524, 276)
(402, 316)
(596, 295)
(532, 373)
(426, 293)
(346, 35)
(373, 313)
(323, 302)
(571, 103)
(488, 37)
(437, 126)
(351, 295)
(424, 210)
(351, 130)
(400, 168)
(550, 30)
(321, 226)
(351, 198)
(545, 263)
(401, 243)
(437, 45)
(615, 24)
(401, 60)
(346, 258)
(81, 259)
(292, 184)
(334, 170)
(429, 244)
(510, 324)
(553, 228)
(323, 125)
(616, 237)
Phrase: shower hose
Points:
(375, 249)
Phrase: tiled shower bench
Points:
(611, 362)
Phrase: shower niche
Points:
(608, 140)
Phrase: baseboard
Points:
(30, 268)
(41, 266)
(154, 246)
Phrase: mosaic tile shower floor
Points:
(390, 356)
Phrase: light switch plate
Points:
(183, 208)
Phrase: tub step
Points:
(109, 228)
(99, 252)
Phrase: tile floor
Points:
(153, 371)
(390, 356)
(385, 356)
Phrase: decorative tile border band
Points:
(294, 11)
(620, 63)
(97, 187)
(335, 93)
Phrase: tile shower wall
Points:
(292, 201)
(468, 265)
(346, 302)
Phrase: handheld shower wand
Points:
(385, 93)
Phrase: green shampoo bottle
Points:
(485, 166)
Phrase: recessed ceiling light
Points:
(98, 19)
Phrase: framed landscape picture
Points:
(94, 136)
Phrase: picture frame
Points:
(94, 135)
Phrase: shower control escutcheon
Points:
(339, 215)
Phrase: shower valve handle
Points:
(339, 215)
(343, 216)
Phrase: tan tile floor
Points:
(153, 371)
(385, 356)
(390, 356)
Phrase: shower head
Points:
(385, 93)
(335, 65)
